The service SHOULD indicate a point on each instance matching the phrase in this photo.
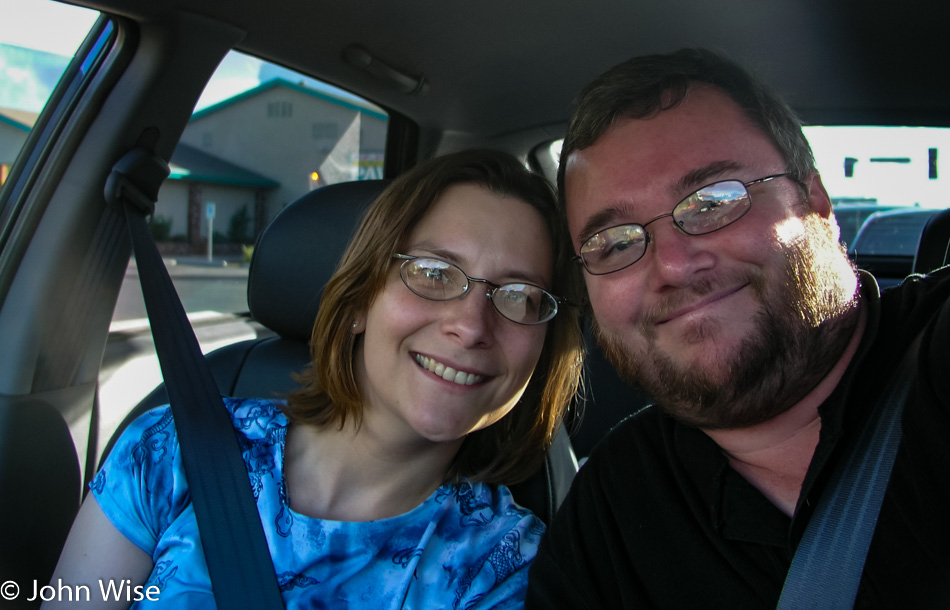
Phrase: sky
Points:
(63, 29)
(64, 26)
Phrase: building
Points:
(242, 160)
(15, 126)
(262, 149)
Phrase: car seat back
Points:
(933, 251)
(40, 479)
(605, 401)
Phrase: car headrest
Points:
(933, 251)
(298, 252)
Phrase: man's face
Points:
(713, 326)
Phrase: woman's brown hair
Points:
(511, 449)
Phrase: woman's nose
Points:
(472, 317)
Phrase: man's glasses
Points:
(438, 280)
(708, 209)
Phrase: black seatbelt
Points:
(827, 567)
(232, 536)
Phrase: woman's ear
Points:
(818, 199)
(359, 325)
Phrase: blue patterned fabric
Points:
(466, 546)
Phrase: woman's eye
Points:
(435, 275)
(515, 297)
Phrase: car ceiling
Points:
(499, 67)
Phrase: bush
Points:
(238, 227)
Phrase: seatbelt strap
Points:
(827, 567)
(232, 536)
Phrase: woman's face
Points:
(405, 337)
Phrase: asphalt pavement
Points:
(203, 286)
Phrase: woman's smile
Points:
(448, 373)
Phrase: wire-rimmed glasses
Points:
(438, 280)
(706, 210)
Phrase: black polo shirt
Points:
(658, 519)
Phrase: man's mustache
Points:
(676, 299)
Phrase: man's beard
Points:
(805, 323)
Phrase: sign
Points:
(209, 211)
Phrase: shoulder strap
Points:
(827, 566)
(232, 536)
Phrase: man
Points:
(716, 282)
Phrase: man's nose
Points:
(674, 256)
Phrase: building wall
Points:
(287, 135)
(11, 141)
(173, 200)
(228, 201)
(172, 204)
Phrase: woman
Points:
(380, 480)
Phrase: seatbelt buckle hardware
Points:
(136, 178)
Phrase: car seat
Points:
(39, 479)
(933, 251)
(293, 259)
(605, 401)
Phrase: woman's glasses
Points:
(708, 209)
(438, 280)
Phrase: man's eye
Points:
(615, 248)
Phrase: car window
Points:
(38, 38)
(877, 169)
(260, 137)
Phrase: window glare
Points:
(239, 72)
(891, 165)
(64, 29)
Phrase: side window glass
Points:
(38, 38)
(260, 137)
(877, 169)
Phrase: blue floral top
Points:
(466, 546)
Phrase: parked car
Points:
(892, 233)
(338, 91)
(851, 216)
(887, 243)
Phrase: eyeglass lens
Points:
(708, 209)
(438, 280)
(712, 207)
